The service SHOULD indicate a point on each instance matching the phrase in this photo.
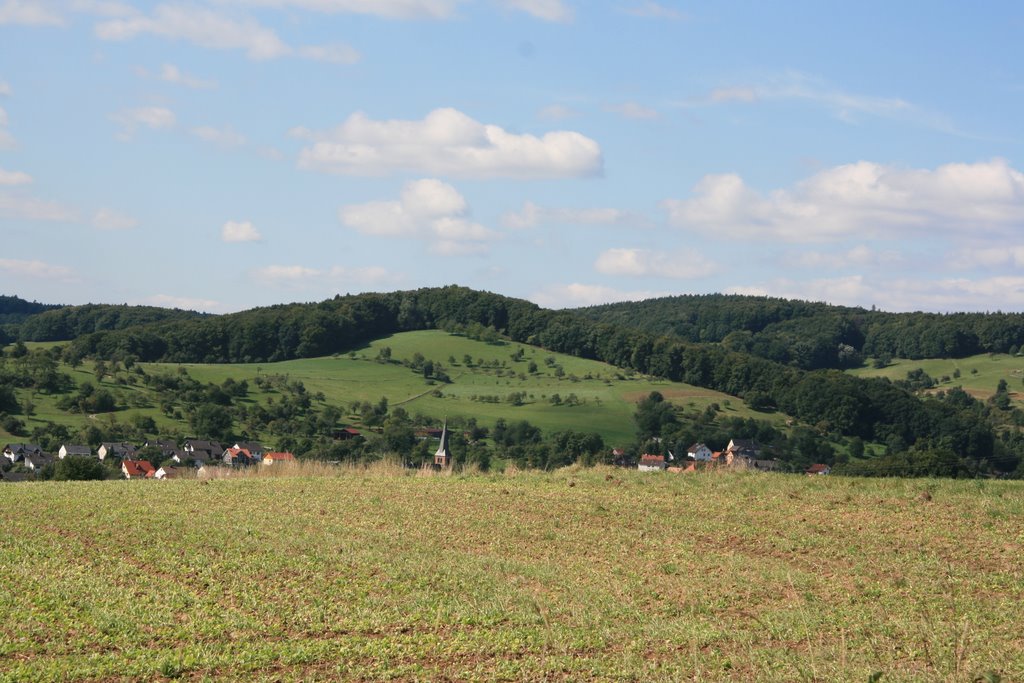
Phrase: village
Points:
(744, 454)
(27, 461)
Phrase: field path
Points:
(423, 393)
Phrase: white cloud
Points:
(576, 294)
(632, 110)
(30, 13)
(654, 10)
(428, 209)
(35, 269)
(332, 54)
(186, 303)
(200, 26)
(108, 219)
(24, 207)
(863, 199)
(172, 74)
(225, 137)
(901, 294)
(387, 9)
(14, 177)
(288, 273)
(131, 120)
(5, 89)
(682, 264)
(447, 142)
(239, 231)
(532, 215)
(548, 10)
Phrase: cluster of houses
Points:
(740, 454)
(194, 453)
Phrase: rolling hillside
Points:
(606, 396)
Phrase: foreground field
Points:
(601, 574)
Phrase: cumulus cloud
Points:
(36, 269)
(14, 177)
(108, 219)
(863, 199)
(239, 231)
(577, 294)
(532, 215)
(548, 10)
(25, 207)
(172, 74)
(427, 209)
(632, 110)
(387, 9)
(131, 120)
(30, 13)
(446, 142)
(224, 137)
(649, 263)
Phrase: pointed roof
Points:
(443, 452)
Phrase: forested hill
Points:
(815, 335)
(65, 323)
(14, 309)
(954, 430)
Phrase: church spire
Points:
(443, 456)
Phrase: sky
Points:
(219, 155)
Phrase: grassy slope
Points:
(610, 396)
(576, 575)
(987, 369)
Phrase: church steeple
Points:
(443, 456)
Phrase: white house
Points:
(651, 463)
(699, 452)
(71, 449)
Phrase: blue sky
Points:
(225, 154)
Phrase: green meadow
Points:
(602, 574)
(605, 396)
(978, 375)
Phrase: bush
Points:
(75, 468)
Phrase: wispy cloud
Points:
(548, 10)
(14, 177)
(632, 110)
(680, 264)
(154, 118)
(578, 294)
(25, 207)
(108, 219)
(30, 13)
(532, 215)
(36, 269)
(223, 137)
(654, 10)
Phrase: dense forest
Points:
(961, 434)
(815, 335)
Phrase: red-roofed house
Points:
(271, 458)
(818, 468)
(651, 463)
(238, 456)
(137, 469)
